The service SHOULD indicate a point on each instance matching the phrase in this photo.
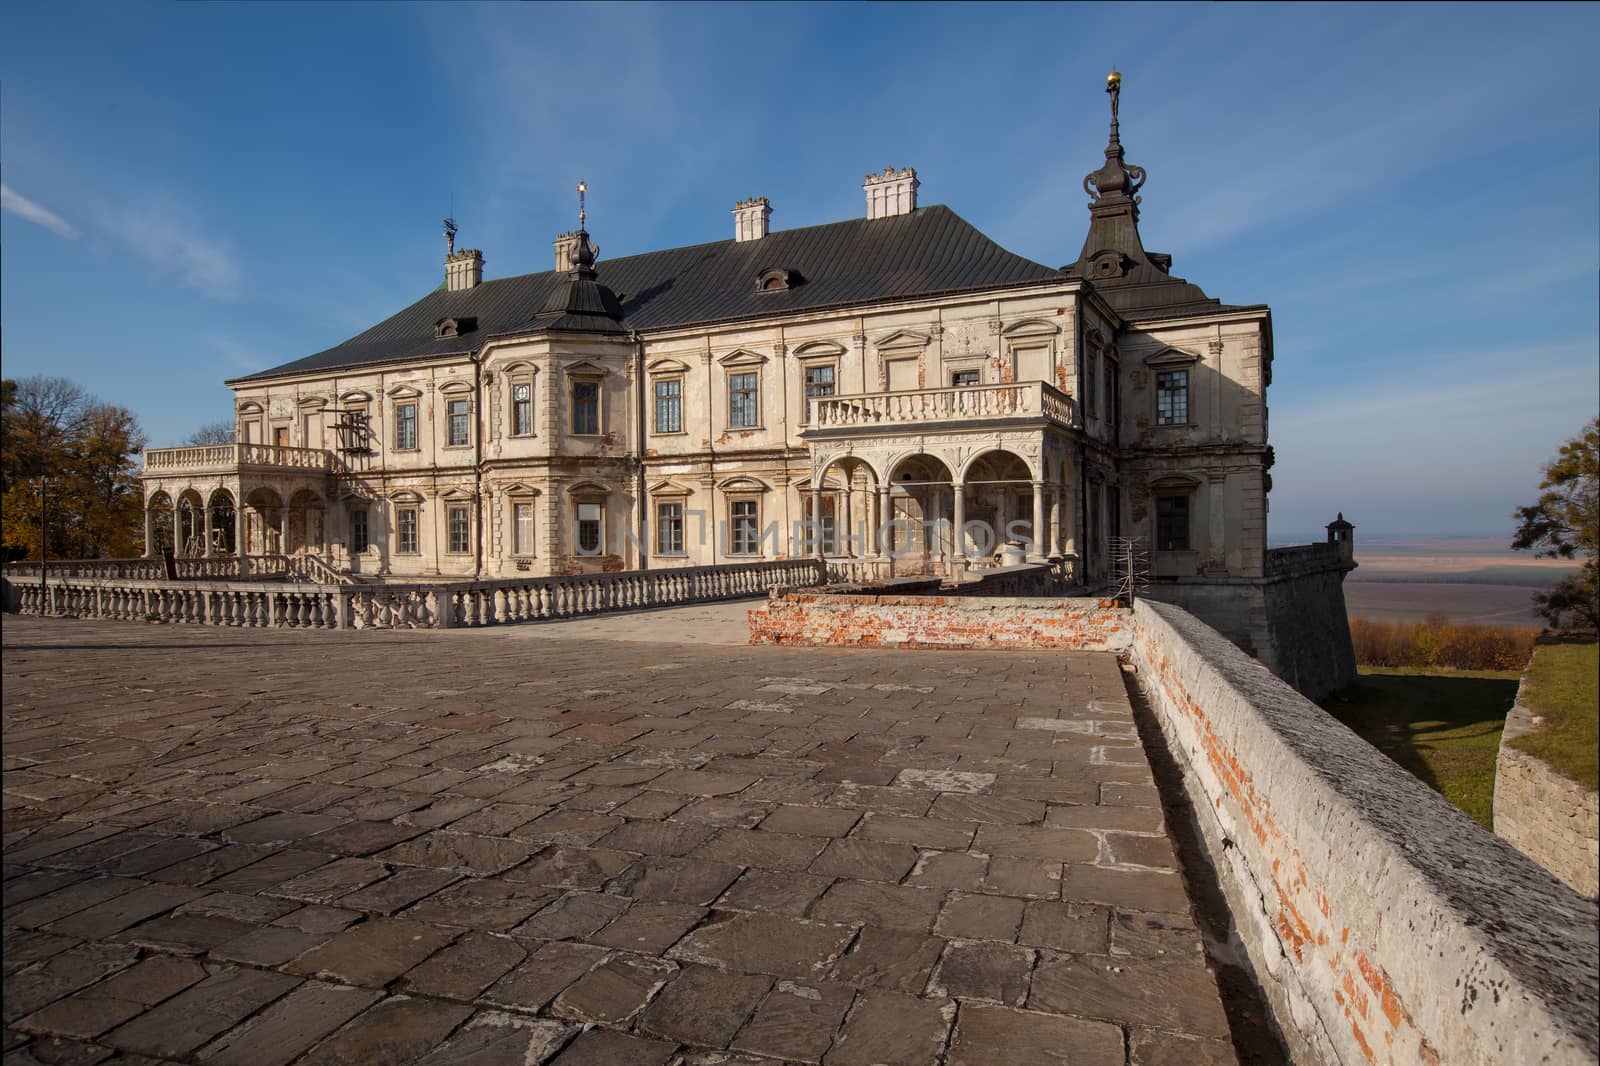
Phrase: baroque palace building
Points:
(898, 377)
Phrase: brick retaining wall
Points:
(1384, 924)
(851, 621)
(1550, 818)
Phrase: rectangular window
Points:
(405, 531)
(405, 427)
(456, 411)
(819, 385)
(830, 525)
(280, 436)
(744, 407)
(589, 540)
(1091, 386)
(744, 538)
(669, 529)
(358, 531)
(1172, 523)
(460, 525)
(965, 379)
(1172, 398)
(586, 407)
(669, 405)
(521, 409)
(522, 529)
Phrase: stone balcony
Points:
(1028, 402)
(232, 458)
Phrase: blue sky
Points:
(195, 192)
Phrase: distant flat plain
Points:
(1469, 579)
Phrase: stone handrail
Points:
(152, 568)
(398, 606)
(530, 599)
(233, 456)
(217, 603)
(307, 567)
(1026, 399)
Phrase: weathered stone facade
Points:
(896, 393)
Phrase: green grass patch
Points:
(1442, 725)
(1563, 688)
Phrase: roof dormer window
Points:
(776, 279)
(454, 327)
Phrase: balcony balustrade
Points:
(220, 458)
(1017, 400)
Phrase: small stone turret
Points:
(1342, 533)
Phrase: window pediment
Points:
(667, 366)
(586, 369)
(1175, 483)
(1030, 327)
(589, 488)
(904, 338)
(404, 392)
(521, 491)
(249, 407)
(819, 350)
(742, 357)
(744, 484)
(1171, 357)
(668, 488)
(356, 397)
(455, 389)
(313, 402)
(407, 496)
(457, 495)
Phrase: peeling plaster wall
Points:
(1384, 924)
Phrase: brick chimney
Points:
(565, 244)
(894, 192)
(750, 218)
(463, 270)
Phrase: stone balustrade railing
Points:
(153, 569)
(1025, 399)
(397, 606)
(233, 603)
(232, 456)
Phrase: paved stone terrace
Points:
(479, 847)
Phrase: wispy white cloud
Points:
(162, 238)
(22, 207)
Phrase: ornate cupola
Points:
(581, 303)
(1113, 256)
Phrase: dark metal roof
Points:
(927, 252)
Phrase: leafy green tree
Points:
(1565, 524)
(50, 428)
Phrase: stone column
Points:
(816, 519)
(1040, 525)
(880, 515)
(1056, 538)
(283, 530)
(959, 514)
(842, 520)
(205, 525)
(240, 520)
(149, 531)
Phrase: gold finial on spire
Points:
(583, 187)
(1113, 81)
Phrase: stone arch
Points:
(1002, 505)
(307, 522)
(223, 522)
(189, 523)
(263, 530)
(159, 524)
(917, 530)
